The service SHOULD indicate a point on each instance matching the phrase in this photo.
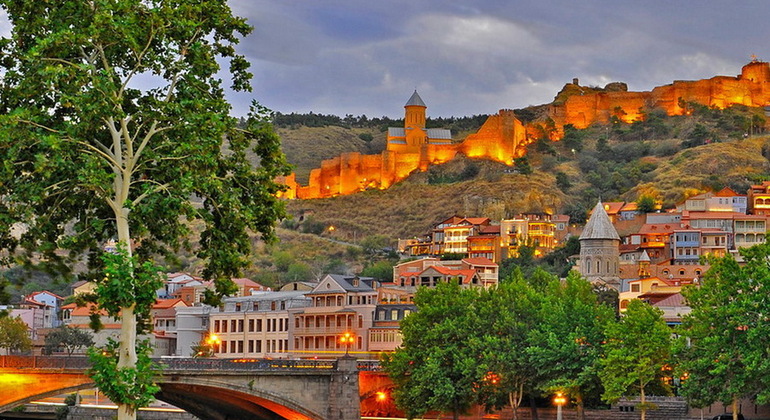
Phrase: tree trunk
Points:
(533, 407)
(581, 413)
(735, 408)
(642, 402)
(127, 357)
(514, 399)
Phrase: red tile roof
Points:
(479, 261)
(168, 303)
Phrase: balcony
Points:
(686, 244)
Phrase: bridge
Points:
(218, 389)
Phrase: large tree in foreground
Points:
(725, 350)
(435, 367)
(113, 119)
(638, 346)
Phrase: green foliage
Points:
(638, 345)
(89, 156)
(573, 138)
(299, 271)
(380, 270)
(522, 165)
(566, 343)
(14, 336)
(127, 283)
(440, 174)
(435, 368)
(494, 346)
(507, 315)
(313, 226)
(726, 353)
(130, 386)
(366, 137)
(562, 181)
(646, 204)
(67, 339)
(70, 400)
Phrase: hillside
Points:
(666, 157)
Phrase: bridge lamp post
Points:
(559, 399)
(347, 339)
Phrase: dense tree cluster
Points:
(311, 119)
(458, 348)
(536, 335)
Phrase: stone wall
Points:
(501, 138)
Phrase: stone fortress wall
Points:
(503, 137)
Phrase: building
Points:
(338, 305)
(759, 199)
(600, 249)
(413, 136)
(470, 272)
(256, 325)
(192, 328)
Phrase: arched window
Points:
(623, 304)
(588, 266)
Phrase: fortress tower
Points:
(600, 249)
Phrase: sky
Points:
(366, 57)
(476, 57)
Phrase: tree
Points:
(67, 338)
(638, 346)
(727, 332)
(507, 314)
(646, 204)
(567, 342)
(435, 367)
(381, 270)
(14, 335)
(90, 155)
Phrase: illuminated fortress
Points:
(503, 137)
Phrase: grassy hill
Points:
(668, 158)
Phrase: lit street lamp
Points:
(559, 399)
(347, 339)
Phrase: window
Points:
(251, 325)
(635, 288)
(216, 325)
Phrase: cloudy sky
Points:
(478, 56)
(475, 57)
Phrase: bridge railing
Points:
(45, 362)
(214, 364)
(81, 363)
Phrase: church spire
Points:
(599, 226)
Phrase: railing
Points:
(49, 362)
(80, 363)
(214, 364)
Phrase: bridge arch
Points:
(218, 389)
(214, 399)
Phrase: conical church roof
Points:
(415, 100)
(599, 225)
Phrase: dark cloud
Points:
(474, 57)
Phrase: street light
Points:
(559, 399)
(347, 339)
